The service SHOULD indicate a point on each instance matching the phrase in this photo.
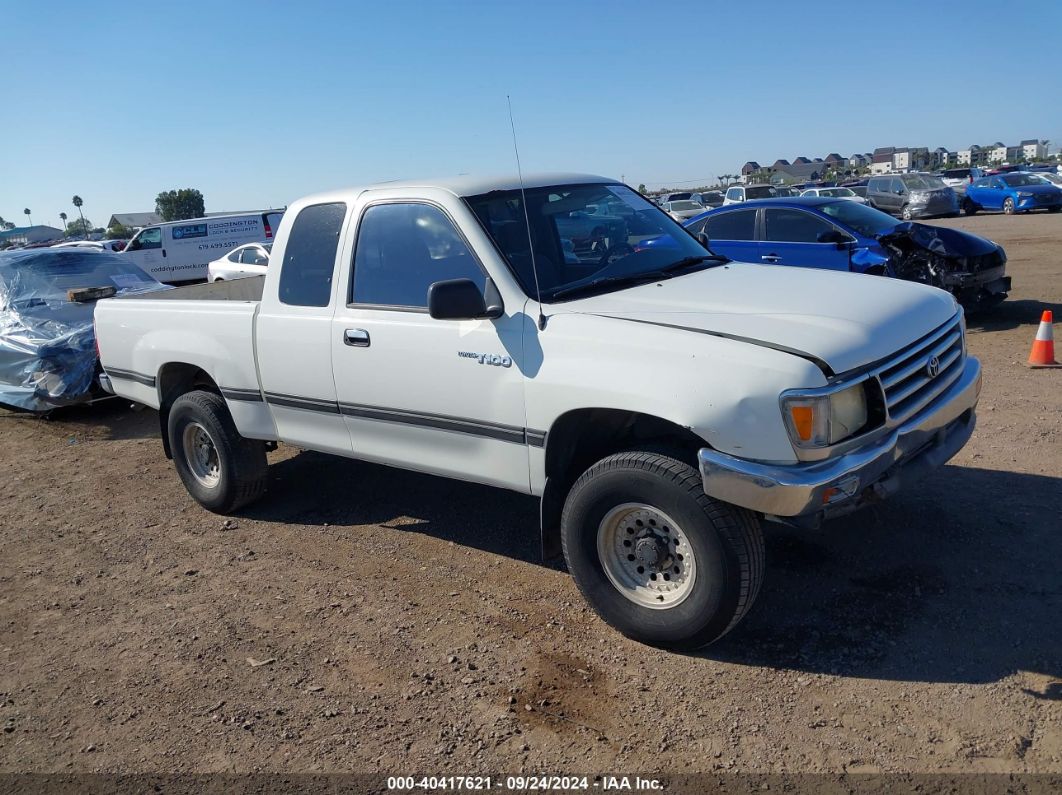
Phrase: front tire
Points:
(1008, 206)
(656, 557)
(905, 213)
(222, 470)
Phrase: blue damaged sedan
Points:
(838, 234)
(1017, 192)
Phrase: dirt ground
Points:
(365, 619)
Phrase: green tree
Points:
(178, 205)
(77, 202)
(641, 188)
(79, 227)
(119, 232)
(62, 217)
(27, 212)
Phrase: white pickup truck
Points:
(660, 401)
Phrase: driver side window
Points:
(404, 247)
(148, 238)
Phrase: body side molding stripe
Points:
(246, 395)
(130, 375)
(440, 422)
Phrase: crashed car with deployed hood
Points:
(48, 353)
(837, 234)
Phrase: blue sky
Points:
(258, 103)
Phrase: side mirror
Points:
(461, 299)
(702, 238)
(261, 261)
(830, 236)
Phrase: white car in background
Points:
(683, 209)
(249, 260)
(835, 193)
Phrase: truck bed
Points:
(249, 289)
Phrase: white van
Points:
(180, 251)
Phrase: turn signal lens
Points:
(821, 420)
(803, 421)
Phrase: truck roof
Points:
(464, 185)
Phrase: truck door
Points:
(441, 396)
(292, 332)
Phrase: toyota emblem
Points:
(933, 367)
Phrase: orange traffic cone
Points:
(1043, 349)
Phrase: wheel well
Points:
(174, 380)
(581, 438)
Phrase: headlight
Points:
(919, 196)
(1024, 194)
(815, 420)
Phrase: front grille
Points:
(906, 382)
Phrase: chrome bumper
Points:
(105, 383)
(820, 489)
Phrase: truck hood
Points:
(841, 321)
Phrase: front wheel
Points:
(656, 557)
(905, 213)
(1008, 206)
(222, 470)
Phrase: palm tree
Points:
(62, 217)
(27, 212)
(77, 203)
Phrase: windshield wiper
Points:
(626, 278)
(666, 272)
(685, 262)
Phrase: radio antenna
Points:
(527, 220)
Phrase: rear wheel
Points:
(969, 207)
(1008, 206)
(222, 470)
(1054, 209)
(656, 557)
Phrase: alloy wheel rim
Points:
(646, 556)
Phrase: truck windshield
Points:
(589, 236)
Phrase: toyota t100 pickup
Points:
(660, 401)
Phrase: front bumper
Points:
(806, 493)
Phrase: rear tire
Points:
(969, 207)
(656, 557)
(220, 469)
(1054, 209)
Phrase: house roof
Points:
(801, 160)
(833, 157)
(134, 219)
(781, 162)
(21, 230)
(1030, 142)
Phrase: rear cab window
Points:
(310, 255)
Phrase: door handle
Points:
(771, 258)
(356, 338)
